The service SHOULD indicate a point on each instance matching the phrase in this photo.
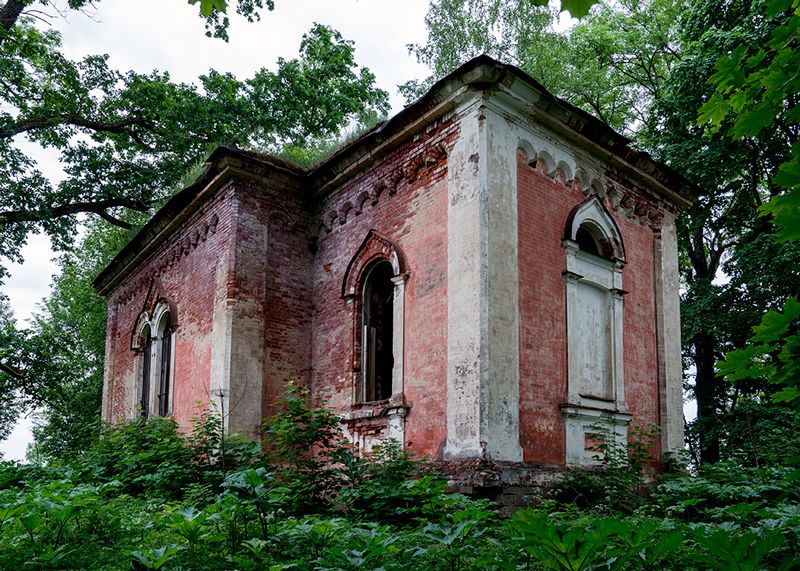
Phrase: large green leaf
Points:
(775, 324)
(729, 73)
(577, 8)
(713, 111)
(751, 121)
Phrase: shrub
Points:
(146, 455)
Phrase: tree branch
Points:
(13, 371)
(114, 220)
(9, 14)
(120, 126)
(99, 207)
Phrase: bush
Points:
(148, 456)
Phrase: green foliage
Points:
(561, 545)
(215, 13)
(145, 133)
(771, 355)
(616, 484)
(64, 518)
(126, 139)
(610, 64)
(722, 231)
(755, 90)
(756, 87)
(154, 558)
(306, 442)
(11, 342)
(577, 8)
(146, 455)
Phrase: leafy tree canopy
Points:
(125, 139)
(757, 88)
(611, 63)
(214, 12)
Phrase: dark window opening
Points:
(586, 242)
(147, 351)
(163, 385)
(378, 336)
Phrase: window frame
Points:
(375, 249)
(363, 390)
(592, 417)
(153, 361)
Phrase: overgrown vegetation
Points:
(145, 497)
(711, 88)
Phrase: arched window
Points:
(586, 242)
(153, 340)
(595, 258)
(147, 356)
(165, 369)
(374, 285)
(377, 335)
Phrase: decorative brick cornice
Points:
(387, 184)
(182, 247)
(626, 199)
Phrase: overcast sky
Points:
(168, 35)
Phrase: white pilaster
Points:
(669, 336)
(482, 290)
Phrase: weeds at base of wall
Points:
(124, 508)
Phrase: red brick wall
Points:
(276, 257)
(640, 343)
(411, 210)
(267, 247)
(183, 269)
(543, 207)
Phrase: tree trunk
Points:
(9, 14)
(706, 390)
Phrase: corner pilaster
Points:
(670, 367)
(238, 328)
(482, 290)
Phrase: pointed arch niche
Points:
(374, 285)
(595, 257)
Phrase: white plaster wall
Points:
(466, 286)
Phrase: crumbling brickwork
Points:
(470, 196)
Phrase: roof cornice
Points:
(478, 75)
(223, 165)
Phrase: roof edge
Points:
(478, 73)
(223, 164)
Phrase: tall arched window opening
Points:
(165, 338)
(595, 259)
(377, 336)
(147, 352)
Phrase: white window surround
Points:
(376, 249)
(155, 324)
(594, 303)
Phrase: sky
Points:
(168, 35)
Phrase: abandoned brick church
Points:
(489, 274)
